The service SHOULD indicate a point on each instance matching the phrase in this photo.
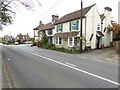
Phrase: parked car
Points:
(27, 42)
(16, 43)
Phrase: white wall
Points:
(108, 35)
(93, 19)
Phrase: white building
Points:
(66, 31)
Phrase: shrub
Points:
(19, 41)
(34, 43)
(44, 44)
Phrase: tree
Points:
(116, 30)
(7, 9)
(44, 39)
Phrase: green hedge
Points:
(62, 49)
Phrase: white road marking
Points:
(77, 69)
(70, 64)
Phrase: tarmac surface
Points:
(106, 54)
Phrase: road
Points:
(30, 67)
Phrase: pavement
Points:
(105, 54)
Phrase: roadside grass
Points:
(10, 44)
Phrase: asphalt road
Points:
(38, 68)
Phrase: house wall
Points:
(46, 32)
(93, 19)
(89, 27)
(108, 35)
(36, 35)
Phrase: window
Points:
(43, 32)
(98, 27)
(50, 32)
(59, 28)
(74, 25)
(49, 39)
(58, 40)
(72, 41)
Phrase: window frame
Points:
(49, 32)
(74, 25)
(59, 28)
(72, 42)
(57, 41)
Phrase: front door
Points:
(98, 42)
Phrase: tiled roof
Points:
(74, 15)
(37, 28)
(45, 26)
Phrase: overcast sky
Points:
(27, 20)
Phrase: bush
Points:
(19, 41)
(34, 43)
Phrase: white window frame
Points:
(57, 41)
(60, 28)
(73, 25)
(73, 42)
(49, 30)
(70, 43)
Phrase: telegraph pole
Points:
(81, 26)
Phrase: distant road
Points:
(38, 68)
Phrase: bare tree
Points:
(8, 9)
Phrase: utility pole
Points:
(81, 26)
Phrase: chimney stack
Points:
(108, 9)
(40, 23)
(54, 18)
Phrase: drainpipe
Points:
(101, 28)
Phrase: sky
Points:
(26, 20)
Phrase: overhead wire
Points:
(50, 8)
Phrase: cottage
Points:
(7, 39)
(47, 29)
(36, 35)
(22, 38)
(65, 32)
(67, 29)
